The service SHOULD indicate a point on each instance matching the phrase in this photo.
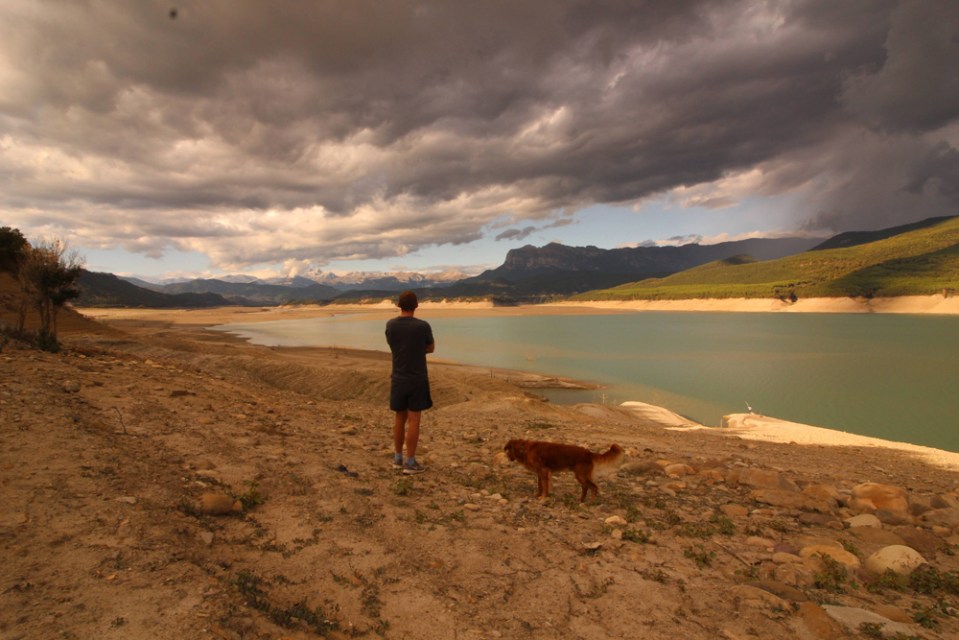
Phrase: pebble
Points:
(219, 504)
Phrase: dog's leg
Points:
(584, 476)
(543, 484)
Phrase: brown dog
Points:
(542, 458)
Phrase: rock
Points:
(875, 535)
(795, 573)
(863, 520)
(734, 510)
(127, 499)
(206, 537)
(751, 596)
(818, 623)
(70, 386)
(894, 613)
(947, 517)
(615, 521)
(945, 501)
(781, 557)
(871, 496)
(785, 499)
(780, 589)
(922, 540)
(218, 504)
(898, 558)
(853, 617)
(712, 475)
(825, 493)
(763, 543)
(919, 505)
(840, 555)
(889, 516)
(678, 470)
(785, 547)
(766, 479)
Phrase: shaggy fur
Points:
(543, 458)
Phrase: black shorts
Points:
(410, 395)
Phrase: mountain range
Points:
(529, 274)
(919, 259)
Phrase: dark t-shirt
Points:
(408, 338)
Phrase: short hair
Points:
(407, 301)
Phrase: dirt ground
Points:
(117, 450)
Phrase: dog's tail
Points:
(610, 460)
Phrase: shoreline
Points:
(745, 426)
(935, 304)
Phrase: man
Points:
(410, 339)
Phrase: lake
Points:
(890, 376)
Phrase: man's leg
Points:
(399, 430)
(413, 433)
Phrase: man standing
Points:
(410, 339)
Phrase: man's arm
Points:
(431, 347)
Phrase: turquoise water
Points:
(890, 376)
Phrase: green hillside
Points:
(920, 262)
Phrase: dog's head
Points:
(515, 449)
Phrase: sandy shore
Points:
(937, 304)
(746, 426)
(162, 480)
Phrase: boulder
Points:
(766, 479)
(826, 493)
(869, 497)
(840, 555)
(898, 558)
(853, 618)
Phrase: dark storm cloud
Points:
(360, 128)
(516, 234)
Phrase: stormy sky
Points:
(311, 134)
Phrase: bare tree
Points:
(48, 278)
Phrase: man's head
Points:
(407, 301)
